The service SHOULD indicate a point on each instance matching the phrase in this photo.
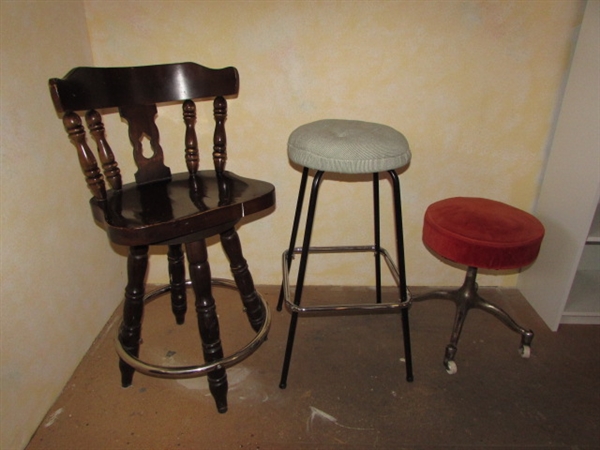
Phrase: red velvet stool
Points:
(486, 234)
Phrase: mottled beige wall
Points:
(60, 281)
(473, 85)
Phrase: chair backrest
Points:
(136, 92)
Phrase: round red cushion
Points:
(482, 233)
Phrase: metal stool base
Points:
(466, 298)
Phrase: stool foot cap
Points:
(451, 367)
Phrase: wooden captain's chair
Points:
(159, 208)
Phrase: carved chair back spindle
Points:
(135, 92)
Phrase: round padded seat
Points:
(348, 146)
(482, 233)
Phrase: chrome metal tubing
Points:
(296, 225)
(357, 249)
(366, 307)
(176, 372)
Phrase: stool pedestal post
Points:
(377, 235)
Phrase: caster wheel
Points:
(525, 351)
(451, 367)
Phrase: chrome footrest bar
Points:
(175, 372)
(350, 308)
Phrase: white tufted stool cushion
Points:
(348, 146)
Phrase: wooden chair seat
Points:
(181, 210)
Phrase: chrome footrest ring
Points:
(176, 372)
(342, 308)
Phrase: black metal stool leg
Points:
(403, 288)
(295, 227)
(301, 273)
(377, 227)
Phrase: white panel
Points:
(571, 185)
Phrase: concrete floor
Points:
(346, 386)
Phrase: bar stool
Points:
(486, 234)
(346, 147)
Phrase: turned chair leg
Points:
(133, 309)
(208, 323)
(243, 279)
(499, 313)
(177, 281)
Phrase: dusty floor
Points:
(346, 386)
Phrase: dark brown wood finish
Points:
(161, 208)
(177, 279)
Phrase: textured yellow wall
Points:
(473, 85)
(60, 281)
